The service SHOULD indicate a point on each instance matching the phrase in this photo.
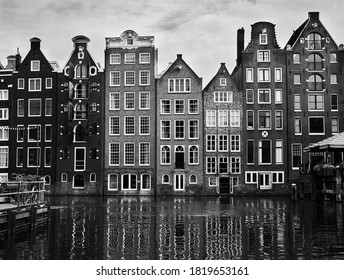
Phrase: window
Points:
(297, 79)
(113, 153)
(297, 102)
(165, 129)
(333, 58)
(263, 56)
(144, 58)
(80, 91)
(279, 152)
(21, 83)
(235, 118)
(129, 58)
(264, 96)
(211, 165)
(165, 179)
(315, 83)
(264, 152)
(79, 133)
(250, 151)
(4, 133)
(34, 133)
(334, 79)
(264, 118)
(334, 102)
(20, 133)
(144, 78)
(235, 143)
(264, 75)
(193, 155)
(251, 177)
(47, 157)
(278, 96)
(129, 125)
(223, 142)
(129, 154)
(33, 157)
(93, 177)
(278, 177)
(223, 165)
(249, 75)
(3, 94)
(193, 179)
(263, 39)
(213, 182)
(165, 155)
(48, 107)
(235, 165)
(80, 71)
(211, 142)
(146, 182)
(278, 74)
(179, 106)
(78, 181)
(298, 125)
(144, 100)
(316, 125)
(223, 82)
(35, 84)
(115, 58)
(315, 102)
(279, 120)
(3, 157)
(250, 119)
(64, 177)
(179, 85)
(249, 96)
(193, 106)
(144, 125)
(296, 152)
(165, 106)
(314, 41)
(80, 159)
(296, 58)
(114, 125)
(144, 153)
(222, 118)
(115, 78)
(223, 96)
(334, 125)
(3, 113)
(48, 133)
(129, 182)
(315, 62)
(114, 101)
(20, 157)
(35, 65)
(129, 101)
(210, 118)
(129, 77)
(179, 129)
(80, 112)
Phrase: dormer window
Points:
(130, 41)
(35, 65)
(263, 37)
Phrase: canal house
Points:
(80, 123)
(179, 131)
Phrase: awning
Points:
(333, 142)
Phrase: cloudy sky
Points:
(204, 31)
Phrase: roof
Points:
(297, 34)
(334, 142)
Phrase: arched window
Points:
(315, 62)
(79, 133)
(93, 153)
(314, 41)
(112, 182)
(179, 157)
(165, 155)
(193, 155)
(165, 179)
(79, 181)
(64, 177)
(93, 177)
(145, 182)
(315, 83)
(193, 179)
(80, 71)
(80, 112)
(80, 91)
(47, 180)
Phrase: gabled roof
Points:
(297, 34)
(334, 142)
(222, 70)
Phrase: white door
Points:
(265, 181)
(179, 182)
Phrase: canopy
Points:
(333, 142)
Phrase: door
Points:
(179, 182)
(224, 185)
(265, 181)
(179, 157)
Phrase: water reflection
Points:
(183, 228)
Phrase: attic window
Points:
(263, 38)
(223, 82)
(130, 41)
(35, 65)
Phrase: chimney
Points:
(179, 56)
(240, 44)
(35, 44)
(313, 16)
(18, 59)
(11, 62)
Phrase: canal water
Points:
(131, 228)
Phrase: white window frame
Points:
(144, 96)
(143, 58)
(161, 155)
(147, 152)
(45, 133)
(279, 152)
(144, 80)
(189, 107)
(170, 129)
(115, 58)
(48, 83)
(169, 101)
(261, 56)
(37, 84)
(278, 96)
(114, 154)
(198, 154)
(4, 133)
(45, 156)
(182, 103)
(75, 160)
(249, 75)
(260, 152)
(223, 82)
(111, 125)
(21, 83)
(4, 151)
(126, 78)
(260, 91)
(4, 113)
(126, 154)
(35, 65)
(3, 94)
(28, 158)
(299, 119)
(129, 58)
(129, 96)
(114, 101)
(313, 117)
(278, 128)
(113, 79)
(141, 118)
(249, 91)
(211, 118)
(234, 118)
(196, 129)
(278, 75)
(211, 142)
(175, 129)
(127, 126)
(184, 85)
(264, 75)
